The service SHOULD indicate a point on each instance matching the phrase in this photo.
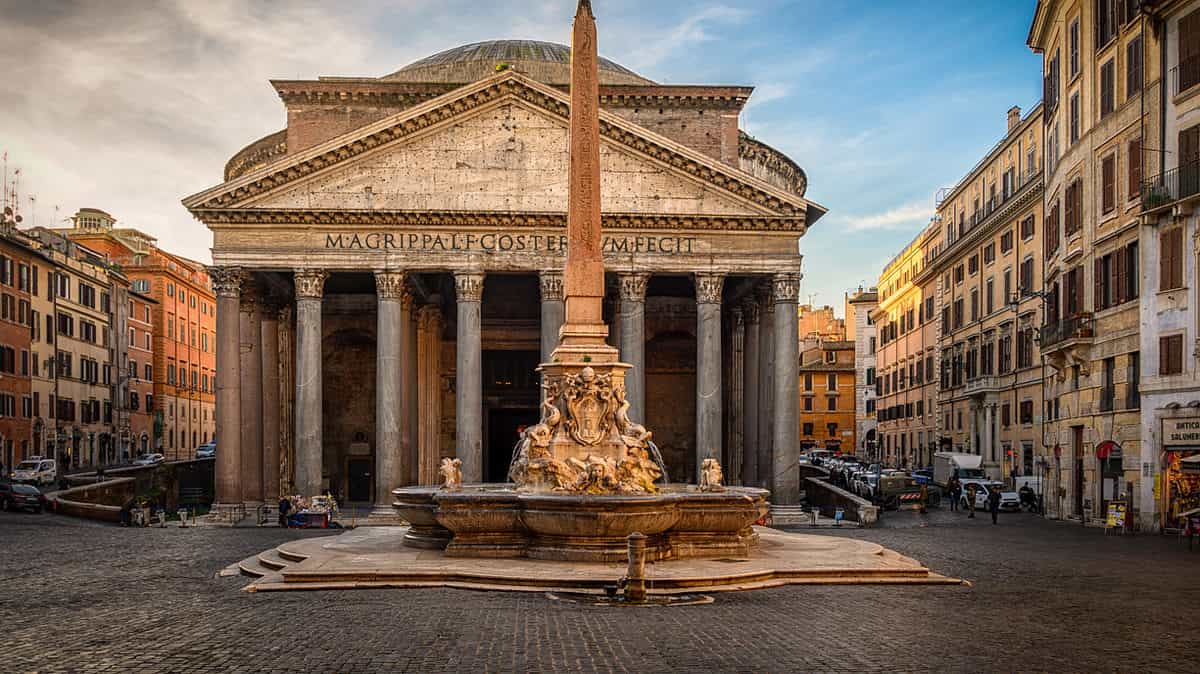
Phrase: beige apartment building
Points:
(71, 345)
(860, 329)
(986, 262)
(906, 357)
(1169, 387)
(1101, 70)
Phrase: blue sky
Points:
(130, 106)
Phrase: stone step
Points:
(271, 560)
(252, 567)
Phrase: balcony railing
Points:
(1185, 75)
(1068, 328)
(1166, 188)
(982, 384)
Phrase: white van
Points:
(36, 470)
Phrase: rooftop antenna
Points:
(33, 209)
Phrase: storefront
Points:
(1179, 489)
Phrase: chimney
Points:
(1014, 117)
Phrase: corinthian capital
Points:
(226, 281)
(468, 286)
(552, 285)
(708, 288)
(310, 283)
(389, 285)
(750, 309)
(632, 287)
(785, 287)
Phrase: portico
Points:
(419, 276)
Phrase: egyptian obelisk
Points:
(584, 274)
(585, 440)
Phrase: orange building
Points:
(16, 397)
(139, 371)
(182, 309)
(827, 396)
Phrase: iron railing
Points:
(1168, 187)
(1061, 330)
(1185, 75)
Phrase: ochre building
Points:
(388, 274)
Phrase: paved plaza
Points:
(79, 596)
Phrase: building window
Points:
(989, 253)
(1006, 242)
(1073, 48)
(808, 429)
(831, 382)
(1135, 168)
(989, 296)
(1170, 270)
(832, 403)
(1108, 187)
(1073, 120)
(1133, 67)
(808, 404)
(1133, 396)
(1050, 84)
(1108, 388)
(1107, 21)
(1027, 228)
(1108, 81)
(832, 428)
(1026, 279)
(1051, 231)
(1026, 412)
(1170, 355)
(1188, 55)
(808, 381)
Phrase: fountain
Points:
(586, 476)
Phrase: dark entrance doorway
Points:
(358, 480)
(504, 426)
(1077, 448)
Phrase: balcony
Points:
(1185, 75)
(980, 385)
(1058, 332)
(1171, 187)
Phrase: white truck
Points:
(953, 464)
(36, 470)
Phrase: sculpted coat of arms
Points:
(590, 406)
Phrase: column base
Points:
(383, 516)
(224, 514)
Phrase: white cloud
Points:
(691, 31)
(906, 216)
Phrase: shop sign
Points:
(1116, 515)
(1181, 432)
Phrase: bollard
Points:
(635, 589)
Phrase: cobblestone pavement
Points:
(81, 597)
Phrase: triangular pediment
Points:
(499, 145)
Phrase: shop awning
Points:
(1108, 450)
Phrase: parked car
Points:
(1010, 501)
(206, 451)
(21, 497)
(149, 459)
(36, 470)
(923, 475)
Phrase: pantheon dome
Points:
(547, 62)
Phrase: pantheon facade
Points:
(388, 271)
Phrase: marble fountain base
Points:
(501, 540)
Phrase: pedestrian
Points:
(285, 506)
(994, 502)
(955, 490)
(972, 489)
(924, 497)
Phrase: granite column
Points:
(785, 485)
(251, 373)
(766, 385)
(750, 390)
(389, 427)
(309, 468)
(632, 344)
(227, 283)
(270, 401)
(468, 289)
(551, 283)
(708, 368)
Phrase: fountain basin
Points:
(418, 506)
(484, 523)
(495, 520)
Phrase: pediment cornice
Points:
(446, 108)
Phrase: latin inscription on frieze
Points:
(500, 241)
